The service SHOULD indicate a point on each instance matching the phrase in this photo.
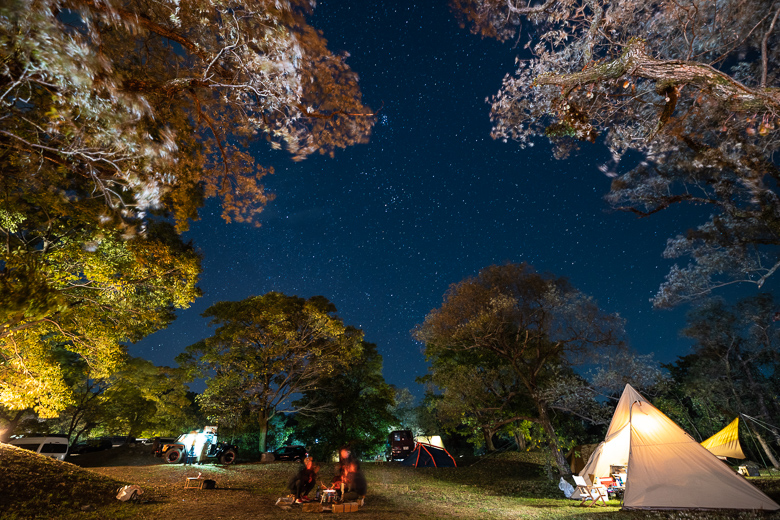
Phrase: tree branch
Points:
(529, 10)
(149, 25)
(764, 59)
(637, 63)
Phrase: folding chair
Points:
(594, 492)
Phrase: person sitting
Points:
(303, 482)
(353, 485)
(346, 457)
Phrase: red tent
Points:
(426, 455)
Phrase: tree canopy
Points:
(118, 120)
(350, 407)
(131, 102)
(93, 291)
(266, 350)
(534, 326)
(693, 86)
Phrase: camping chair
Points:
(594, 492)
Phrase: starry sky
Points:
(384, 228)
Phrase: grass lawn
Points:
(510, 486)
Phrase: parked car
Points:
(291, 453)
(195, 447)
(54, 446)
(121, 440)
(91, 445)
(401, 444)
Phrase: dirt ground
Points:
(243, 491)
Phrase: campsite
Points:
(505, 486)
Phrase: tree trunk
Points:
(488, 439)
(767, 450)
(560, 460)
(520, 440)
(263, 437)
(12, 424)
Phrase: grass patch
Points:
(502, 487)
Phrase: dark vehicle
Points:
(121, 440)
(291, 453)
(91, 445)
(196, 446)
(401, 444)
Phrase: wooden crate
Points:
(346, 507)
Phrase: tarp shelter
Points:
(725, 443)
(429, 456)
(667, 468)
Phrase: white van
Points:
(54, 446)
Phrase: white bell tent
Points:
(666, 468)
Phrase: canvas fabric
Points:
(725, 443)
(668, 469)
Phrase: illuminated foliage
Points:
(264, 351)
(118, 120)
(100, 291)
(693, 86)
(139, 399)
(151, 104)
(509, 318)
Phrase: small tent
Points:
(725, 443)
(429, 456)
(667, 468)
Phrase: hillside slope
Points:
(34, 486)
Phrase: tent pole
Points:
(630, 434)
(755, 443)
(758, 440)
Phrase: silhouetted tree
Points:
(353, 407)
(733, 369)
(528, 323)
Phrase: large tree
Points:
(530, 323)
(478, 395)
(153, 103)
(139, 399)
(693, 86)
(265, 351)
(353, 407)
(89, 292)
(116, 114)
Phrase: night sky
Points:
(384, 228)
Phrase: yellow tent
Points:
(725, 443)
(666, 467)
